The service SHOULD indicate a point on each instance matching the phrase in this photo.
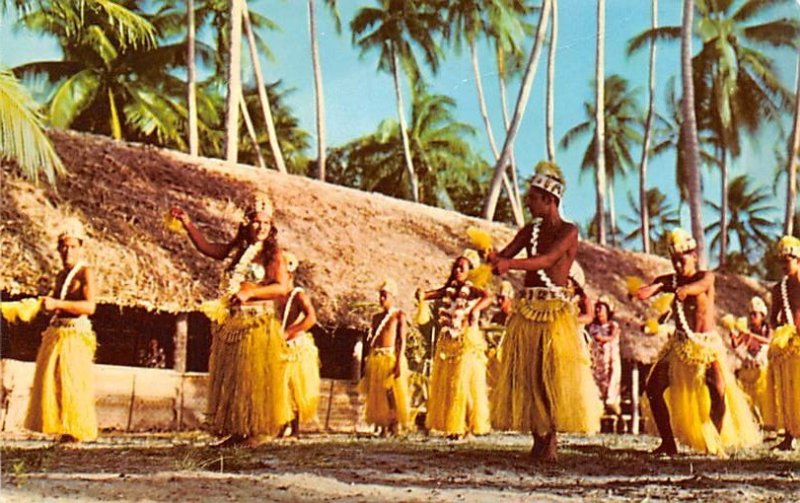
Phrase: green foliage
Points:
(22, 139)
(662, 215)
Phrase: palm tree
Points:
(648, 129)
(551, 77)
(791, 162)
(22, 138)
(599, 121)
(667, 136)
(621, 125)
(688, 139)
(111, 80)
(233, 78)
(319, 96)
(439, 147)
(500, 19)
(191, 79)
(662, 216)
(736, 84)
(490, 205)
(751, 221)
(393, 27)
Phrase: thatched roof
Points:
(347, 240)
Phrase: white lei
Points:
(455, 308)
(787, 309)
(682, 324)
(68, 279)
(244, 270)
(379, 330)
(288, 307)
(535, 229)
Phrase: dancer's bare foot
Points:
(550, 448)
(230, 441)
(786, 445)
(667, 448)
(66, 438)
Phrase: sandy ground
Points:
(361, 468)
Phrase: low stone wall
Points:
(144, 399)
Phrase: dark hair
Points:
(609, 311)
(452, 278)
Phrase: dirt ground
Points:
(186, 467)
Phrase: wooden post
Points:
(635, 398)
(180, 341)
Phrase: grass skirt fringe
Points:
(784, 378)
(545, 381)
(754, 382)
(248, 395)
(302, 373)
(459, 400)
(62, 397)
(387, 397)
(689, 401)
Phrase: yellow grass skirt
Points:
(784, 378)
(302, 373)
(62, 397)
(754, 382)
(248, 395)
(459, 399)
(387, 397)
(689, 402)
(545, 382)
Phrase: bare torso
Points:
(793, 291)
(699, 309)
(387, 338)
(75, 290)
(549, 235)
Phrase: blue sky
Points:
(358, 97)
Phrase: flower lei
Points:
(535, 229)
(683, 325)
(374, 335)
(287, 309)
(787, 309)
(68, 279)
(243, 270)
(455, 308)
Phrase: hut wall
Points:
(143, 399)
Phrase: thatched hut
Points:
(347, 241)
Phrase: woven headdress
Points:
(72, 228)
(789, 246)
(548, 177)
(260, 203)
(757, 305)
(389, 286)
(681, 241)
(472, 257)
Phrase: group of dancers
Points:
(264, 366)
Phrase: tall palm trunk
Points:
(490, 205)
(723, 218)
(251, 131)
(272, 134)
(600, 126)
(791, 164)
(318, 94)
(191, 91)
(516, 207)
(401, 115)
(234, 76)
(551, 75)
(612, 213)
(648, 131)
(689, 136)
(501, 76)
